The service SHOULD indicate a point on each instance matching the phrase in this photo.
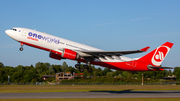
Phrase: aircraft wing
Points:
(109, 54)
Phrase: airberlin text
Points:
(34, 36)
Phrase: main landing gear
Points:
(21, 48)
(78, 66)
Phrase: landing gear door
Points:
(24, 33)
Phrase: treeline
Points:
(34, 74)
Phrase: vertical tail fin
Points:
(157, 56)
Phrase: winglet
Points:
(145, 49)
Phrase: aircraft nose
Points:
(7, 32)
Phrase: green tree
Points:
(161, 74)
(109, 74)
(85, 74)
(8, 71)
(2, 72)
(41, 68)
(46, 64)
(177, 73)
(31, 76)
(17, 77)
(72, 69)
(51, 69)
(19, 68)
(117, 73)
(125, 74)
(1, 65)
(99, 72)
(64, 66)
(104, 72)
(169, 72)
(57, 68)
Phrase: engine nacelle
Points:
(55, 56)
(69, 54)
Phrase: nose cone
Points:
(7, 32)
(10, 33)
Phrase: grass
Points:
(81, 88)
(98, 99)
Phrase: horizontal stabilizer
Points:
(162, 67)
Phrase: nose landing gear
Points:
(21, 48)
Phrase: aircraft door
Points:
(24, 33)
(134, 63)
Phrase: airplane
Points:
(60, 48)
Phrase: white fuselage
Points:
(50, 42)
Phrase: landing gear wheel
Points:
(81, 69)
(21, 49)
(77, 65)
(85, 66)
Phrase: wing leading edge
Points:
(109, 54)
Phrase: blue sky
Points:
(110, 25)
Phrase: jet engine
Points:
(69, 54)
(55, 56)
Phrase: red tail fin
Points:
(157, 56)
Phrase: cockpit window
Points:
(14, 29)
